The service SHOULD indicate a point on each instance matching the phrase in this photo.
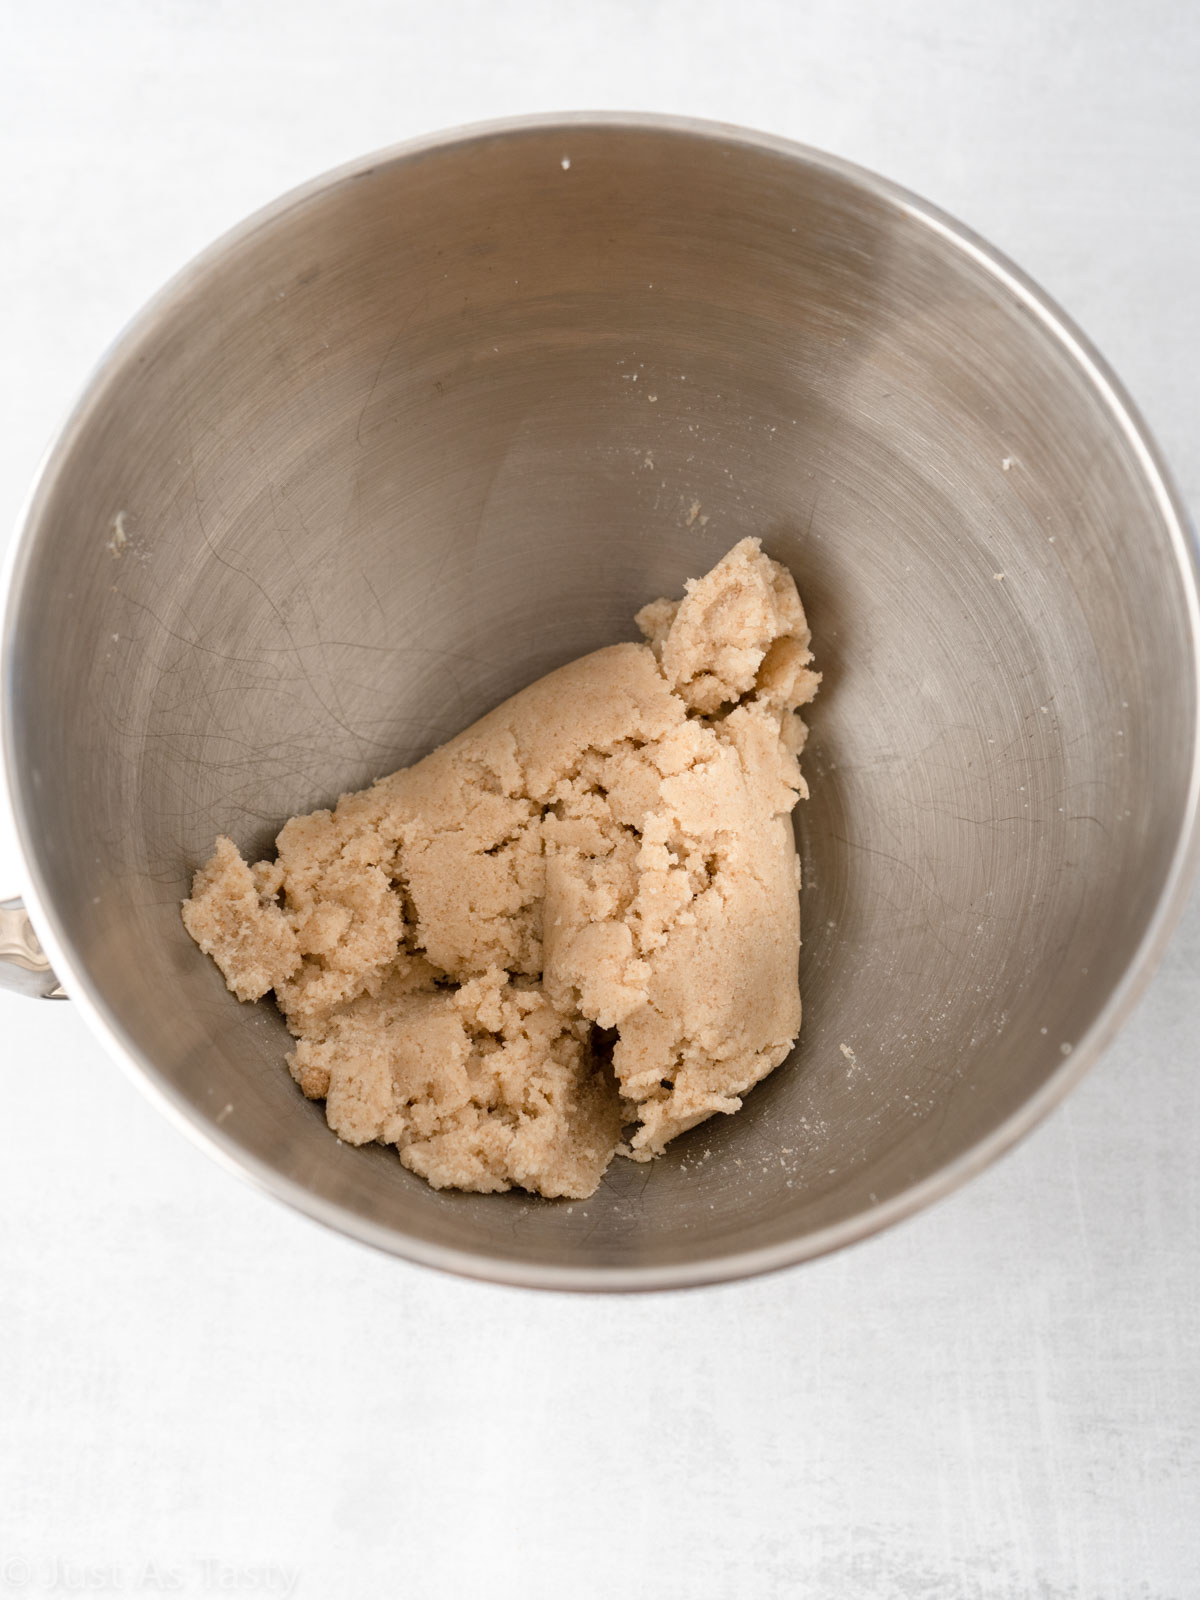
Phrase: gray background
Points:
(201, 1393)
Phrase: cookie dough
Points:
(577, 919)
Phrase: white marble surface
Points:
(202, 1393)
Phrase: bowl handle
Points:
(23, 963)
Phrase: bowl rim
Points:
(720, 1267)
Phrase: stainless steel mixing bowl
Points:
(442, 421)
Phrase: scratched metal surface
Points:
(447, 422)
(1001, 1398)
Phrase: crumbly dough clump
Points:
(579, 916)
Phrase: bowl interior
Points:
(432, 429)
